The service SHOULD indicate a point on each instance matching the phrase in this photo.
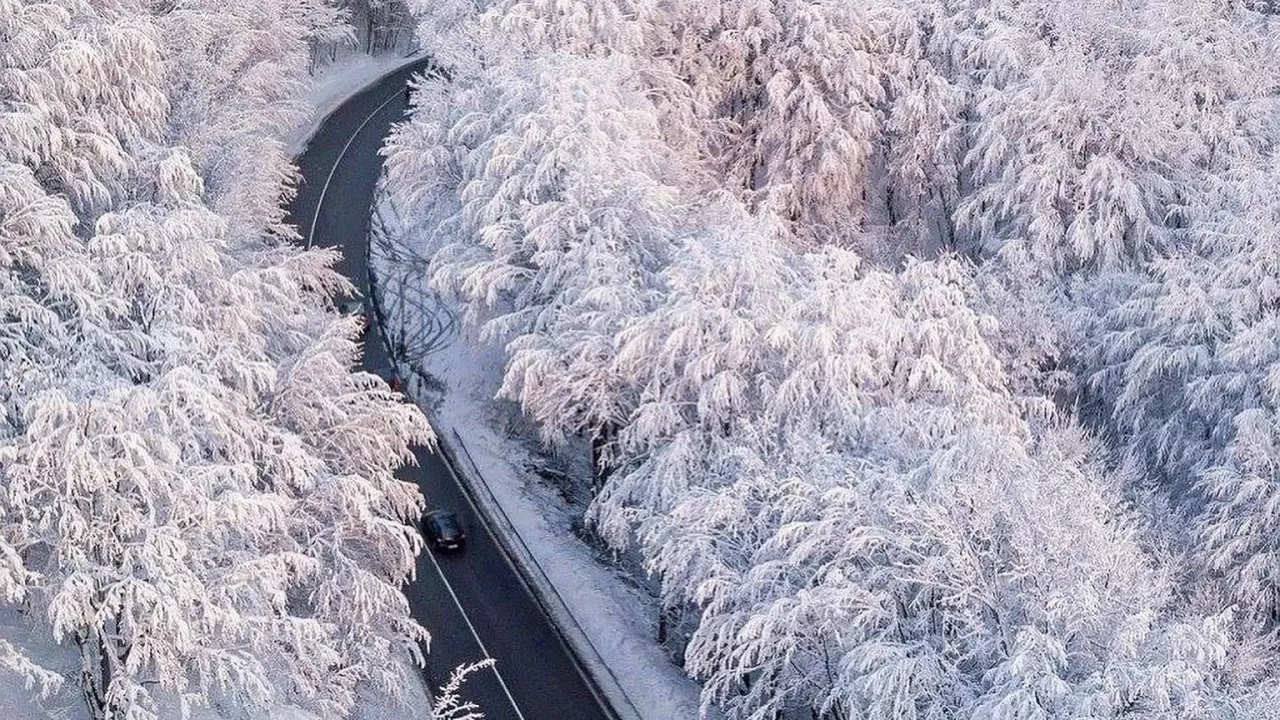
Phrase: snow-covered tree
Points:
(31, 338)
(1106, 139)
(77, 89)
(233, 78)
(928, 98)
(856, 587)
(449, 704)
(546, 212)
(1189, 364)
(197, 490)
(1087, 151)
(827, 464)
(585, 28)
(471, 37)
(205, 516)
(835, 443)
(782, 97)
(380, 25)
(752, 338)
(786, 101)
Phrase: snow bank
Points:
(335, 84)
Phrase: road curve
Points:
(474, 604)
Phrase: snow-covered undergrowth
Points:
(826, 285)
(198, 506)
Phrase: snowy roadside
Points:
(335, 84)
(330, 88)
(455, 382)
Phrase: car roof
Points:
(446, 523)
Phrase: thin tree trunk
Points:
(104, 668)
(603, 436)
(95, 674)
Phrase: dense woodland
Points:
(929, 347)
(196, 491)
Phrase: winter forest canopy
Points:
(196, 491)
(930, 348)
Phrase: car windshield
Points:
(447, 523)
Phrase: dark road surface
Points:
(476, 597)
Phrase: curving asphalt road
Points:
(474, 604)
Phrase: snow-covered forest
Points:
(929, 348)
(197, 499)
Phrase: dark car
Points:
(356, 308)
(443, 530)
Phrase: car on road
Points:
(357, 309)
(443, 531)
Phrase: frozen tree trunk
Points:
(97, 656)
(605, 435)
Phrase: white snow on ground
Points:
(19, 701)
(334, 84)
(617, 616)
